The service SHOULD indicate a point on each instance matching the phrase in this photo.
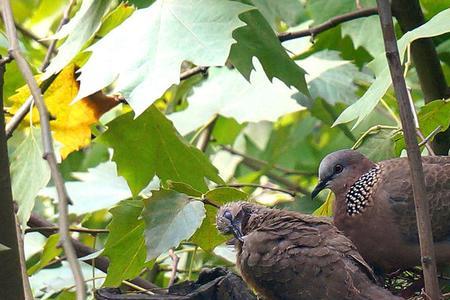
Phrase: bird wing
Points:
(300, 260)
(400, 195)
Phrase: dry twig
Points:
(415, 162)
(49, 154)
(175, 260)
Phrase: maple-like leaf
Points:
(70, 123)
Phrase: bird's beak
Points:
(319, 187)
(237, 231)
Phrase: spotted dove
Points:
(289, 255)
(374, 206)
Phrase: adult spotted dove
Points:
(374, 206)
(289, 255)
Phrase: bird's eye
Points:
(338, 169)
(228, 215)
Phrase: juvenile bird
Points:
(374, 206)
(288, 255)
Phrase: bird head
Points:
(340, 169)
(232, 218)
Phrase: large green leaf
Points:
(257, 39)
(78, 31)
(170, 218)
(379, 144)
(228, 94)
(289, 11)
(149, 146)
(434, 114)
(331, 78)
(125, 246)
(50, 251)
(436, 26)
(159, 38)
(365, 32)
(29, 173)
(207, 236)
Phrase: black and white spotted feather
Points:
(357, 197)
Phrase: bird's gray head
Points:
(340, 169)
(232, 218)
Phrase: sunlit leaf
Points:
(153, 63)
(70, 122)
(228, 94)
(436, 26)
(29, 172)
(170, 218)
(78, 31)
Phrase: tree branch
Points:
(51, 48)
(11, 281)
(175, 260)
(424, 56)
(414, 158)
(101, 262)
(333, 22)
(31, 35)
(256, 164)
(49, 154)
(265, 187)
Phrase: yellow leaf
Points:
(326, 209)
(70, 123)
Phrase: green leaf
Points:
(149, 146)
(226, 130)
(183, 188)
(257, 39)
(228, 94)
(207, 236)
(170, 218)
(115, 18)
(379, 144)
(222, 195)
(26, 161)
(125, 245)
(50, 251)
(436, 26)
(434, 114)
(78, 31)
(365, 32)
(331, 78)
(197, 31)
(322, 10)
(289, 11)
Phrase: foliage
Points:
(131, 133)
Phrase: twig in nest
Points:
(175, 260)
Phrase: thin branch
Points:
(265, 187)
(73, 229)
(6, 60)
(82, 250)
(23, 266)
(22, 112)
(51, 48)
(175, 260)
(49, 154)
(31, 35)
(430, 136)
(425, 143)
(262, 163)
(205, 135)
(256, 164)
(194, 71)
(333, 22)
(412, 148)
